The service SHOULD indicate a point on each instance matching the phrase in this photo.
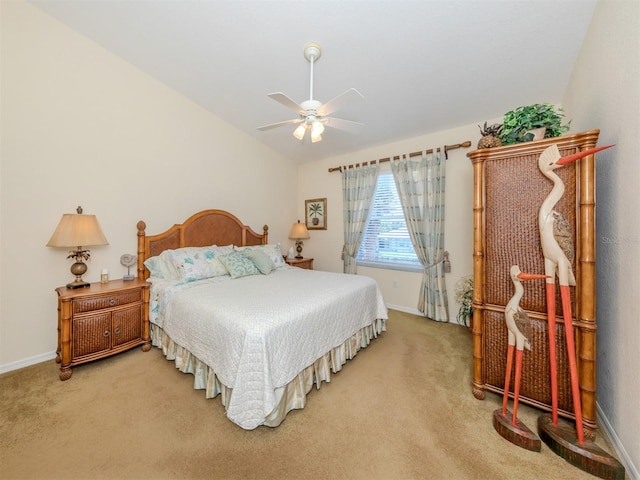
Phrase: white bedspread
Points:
(258, 332)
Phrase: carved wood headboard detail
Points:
(208, 227)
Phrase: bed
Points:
(258, 337)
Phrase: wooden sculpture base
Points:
(517, 434)
(588, 456)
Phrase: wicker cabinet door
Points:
(90, 334)
(127, 325)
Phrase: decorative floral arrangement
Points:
(464, 296)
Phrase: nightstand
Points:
(306, 263)
(101, 320)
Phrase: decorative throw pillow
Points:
(261, 260)
(238, 265)
(196, 263)
(272, 250)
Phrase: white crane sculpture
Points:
(519, 327)
(558, 250)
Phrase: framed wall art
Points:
(316, 214)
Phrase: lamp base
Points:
(78, 269)
(78, 284)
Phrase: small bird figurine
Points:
(558, 250)
(519, 327)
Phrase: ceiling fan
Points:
(313, 114)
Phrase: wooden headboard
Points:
(208, 227)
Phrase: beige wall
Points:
(82, 127)
(325, 246)
(604, 93)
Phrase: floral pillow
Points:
(196, 263)
(272, 251)
(238, 265)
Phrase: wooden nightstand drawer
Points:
(90, 304)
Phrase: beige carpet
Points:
(402, 409)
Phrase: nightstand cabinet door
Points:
(90, 335)
(127, 325)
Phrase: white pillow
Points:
(161, 266)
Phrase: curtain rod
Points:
(466, 144)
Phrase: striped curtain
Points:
(358, 189)
(421, 183)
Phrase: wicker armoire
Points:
(508, 191)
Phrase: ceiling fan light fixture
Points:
(317, 127)
(300, 131)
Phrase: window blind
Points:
(386, 242)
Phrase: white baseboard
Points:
(623, 455)
(415, 311)
(27, 362)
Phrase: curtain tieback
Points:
(431, 265)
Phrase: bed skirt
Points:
(289, 397)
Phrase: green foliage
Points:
(315, 209)
(522, 119)
(464, 296)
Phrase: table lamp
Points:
(78, 231)
(298, 233)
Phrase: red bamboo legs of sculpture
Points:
(519, 328)
(565, 296)
(557, 246)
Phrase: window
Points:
(386, 242)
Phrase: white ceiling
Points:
(422, 66)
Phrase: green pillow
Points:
(261, 260)
(238, 265)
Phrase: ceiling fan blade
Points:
(280, 124)
(343, 124)
(287, 102)
(340, 101)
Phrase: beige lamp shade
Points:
(77, 230)
(299, 231)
